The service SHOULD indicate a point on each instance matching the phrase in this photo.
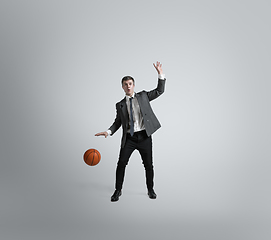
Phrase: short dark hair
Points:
(126, 78)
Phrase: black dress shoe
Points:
(151, 194)
(115, 196)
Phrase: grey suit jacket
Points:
(151, 123)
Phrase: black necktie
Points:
(131, 118)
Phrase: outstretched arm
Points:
(115, 126)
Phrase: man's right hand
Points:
(105, 134)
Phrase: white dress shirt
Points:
(137, 115)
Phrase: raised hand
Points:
(158, 67)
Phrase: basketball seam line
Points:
(93, 158)
(89, 154)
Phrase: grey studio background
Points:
(61, 66)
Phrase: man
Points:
(135, 115)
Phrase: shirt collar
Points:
(128, 97)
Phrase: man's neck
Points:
(130, 95)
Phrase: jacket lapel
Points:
(123, 107)
(139, 98)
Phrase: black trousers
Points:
(141, 142)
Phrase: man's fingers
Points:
(157, 65)
(102, 134)
(99, 134)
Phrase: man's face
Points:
(128, 87)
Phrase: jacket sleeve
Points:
(155, 93)
(117, 123)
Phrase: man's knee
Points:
(148, 166)
(122, 163)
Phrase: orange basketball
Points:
(92, 157)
